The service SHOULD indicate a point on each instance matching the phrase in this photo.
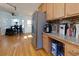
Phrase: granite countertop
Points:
(72, 40)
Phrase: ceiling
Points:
(25, 8)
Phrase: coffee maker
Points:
(48, 28)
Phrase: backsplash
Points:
(66, 26)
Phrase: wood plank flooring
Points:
(19, 45)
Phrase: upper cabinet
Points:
(50, 11)
(59, 10)
(72, 9)
(42, 7)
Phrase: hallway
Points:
(19, 45)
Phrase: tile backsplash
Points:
(70, 21)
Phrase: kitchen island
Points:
(71, 44)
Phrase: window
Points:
(14, 21)
(22, 23)
(29, 22)
(29, 26)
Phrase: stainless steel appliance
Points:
(63, 28)
(38, 22)
(48, 28)
(77, 31)
(55, 28)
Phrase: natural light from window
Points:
(29, 22)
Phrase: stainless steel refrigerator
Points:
(38, 22)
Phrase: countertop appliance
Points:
(77, 31)
(55, 28)
(48, 28)
(63, 28)
(38, 22)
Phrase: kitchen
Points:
(49, 29)
(57, 29)
(39, 29)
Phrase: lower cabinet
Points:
(46, 43)
(68, 49)
(71, 50)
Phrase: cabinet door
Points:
(46, 43)
(40, 8)
(72, 9)
(71, 50)
(58, 10)
(50, 11)
(44, 7)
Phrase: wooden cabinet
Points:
(43, 7)
(50, 11)
(40, 8)
(46, 43)
(71, 50)
(72, 9)
(58, 10)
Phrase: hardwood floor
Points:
(19, 45)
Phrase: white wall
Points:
(6, 22)
(28, 28)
